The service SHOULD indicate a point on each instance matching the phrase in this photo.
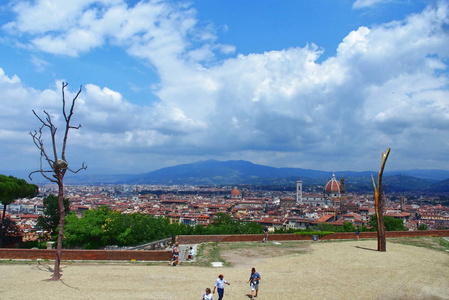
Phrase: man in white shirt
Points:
(219, 286)
(191, 253)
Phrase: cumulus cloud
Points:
(385, 87)
(80, 26)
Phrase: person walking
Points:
(357, 233)
(253, 281)
(265, 234)
(207, 295)
(175, 255)
(219, 286)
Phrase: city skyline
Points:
(306, 84)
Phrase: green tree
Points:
(139, 228)
(325, 227)
(223, 224)
(347, 227)
(11, 229)
(423, 226)
(103, 226)
(49, 221)
(12, 188)
(252, 228)
(391, 224)
(222, 219)
(92, 230)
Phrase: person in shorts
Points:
(265, 234)
(253, 281)
(175, 255)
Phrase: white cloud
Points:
(149, 29)
(368, 3)
(385, 87)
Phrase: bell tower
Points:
(299, 192)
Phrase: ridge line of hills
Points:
(240, 172)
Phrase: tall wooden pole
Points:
(381, 239)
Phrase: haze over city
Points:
(326, 85)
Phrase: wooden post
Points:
(381, 239)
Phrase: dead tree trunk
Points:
(57, 272)
(381, 239)
(58, 165)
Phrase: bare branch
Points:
(43, 174)
(75, 127)
(68, 117)
(73, 105)
(39, 118)
(38, 141)
(83, 167)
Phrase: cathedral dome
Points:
(333, 186)
(236, 192)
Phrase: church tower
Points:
(343, 197)
(403, 199)
(299, 192)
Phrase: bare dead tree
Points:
(53, 164)
(381, 238)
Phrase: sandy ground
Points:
(338, 270)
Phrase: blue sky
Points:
(316, 84)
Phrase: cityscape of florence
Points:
(276, 207)
(187, 149)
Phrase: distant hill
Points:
(431, 175)
(235, 172)
(442, 186)
(232, 172)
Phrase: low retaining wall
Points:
(197, 239)
(33, 254)
(143, 255)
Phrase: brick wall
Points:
(33, 254)
(197, 239)
(143, 255)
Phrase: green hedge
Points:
(319, 233)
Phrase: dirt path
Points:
(336, 270)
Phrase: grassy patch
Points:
(430, 242)
(258, 245)
(444, 243)
(318, 233)
(208, 253)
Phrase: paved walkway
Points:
(184, 250)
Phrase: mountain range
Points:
(237, 172)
